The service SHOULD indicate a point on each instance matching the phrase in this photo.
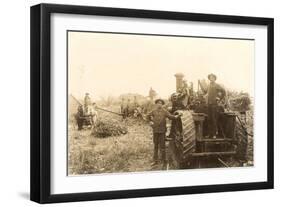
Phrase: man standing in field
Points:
(94, 114)
(215, 93)
(87, 99)
(79, 116)
(157, 119)
(127, 108)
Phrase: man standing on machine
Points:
(214, 94)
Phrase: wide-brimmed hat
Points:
(210, 75)
(160, 100)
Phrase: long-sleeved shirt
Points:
(213, 90)
(158, 117)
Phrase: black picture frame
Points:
(41, 99)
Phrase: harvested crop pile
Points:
(107, 128)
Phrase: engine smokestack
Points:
(179, 81)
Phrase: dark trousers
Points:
(159, 142)
(212, 119)
(79, 121)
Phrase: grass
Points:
(131, 152)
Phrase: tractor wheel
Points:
(242, 142)
(188, 133)
(183, 142)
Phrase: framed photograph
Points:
(133, 103)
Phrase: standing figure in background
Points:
(127, 108)
(87, 99)
(94, 114)
(88, 111)
(214, 94)
(79, 116)
(87, 105)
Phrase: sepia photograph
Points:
(149, 102)
(129, 103)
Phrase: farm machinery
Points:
(188, 144)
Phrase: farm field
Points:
(129, 152)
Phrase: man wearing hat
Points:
(215, 94)
(87, 99)
(157, 119)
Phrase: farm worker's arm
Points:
(170, 116)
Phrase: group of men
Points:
(129, 108)
(158, 116)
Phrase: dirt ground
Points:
(131, 152)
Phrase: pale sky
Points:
(112, 64)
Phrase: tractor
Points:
(188, 144)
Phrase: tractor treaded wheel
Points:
(188, 133)
(242, 141)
